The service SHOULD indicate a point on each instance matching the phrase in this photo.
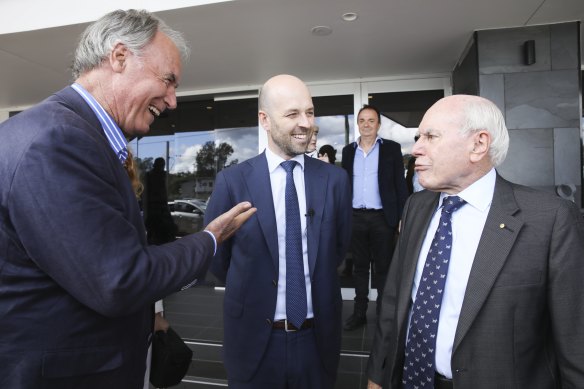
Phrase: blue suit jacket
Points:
(248, 263)
(77, 282)
(391, 178)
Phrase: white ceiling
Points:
(239, 44)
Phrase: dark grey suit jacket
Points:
(77, 281)
(522, 320)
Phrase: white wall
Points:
(45, 14)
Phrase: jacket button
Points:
(269, 322)
(274, 282)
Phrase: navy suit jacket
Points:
(77, 282)
(390, 175)
(248, 263)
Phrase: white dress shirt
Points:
(278, 184)
(467, 227)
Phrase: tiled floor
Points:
(196, 314)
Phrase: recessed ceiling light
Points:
(321, 30)
(209, 107)
(350, 16)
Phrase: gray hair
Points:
(482, 114)
(134, 28)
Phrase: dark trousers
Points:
(372, 243)
(291, 361)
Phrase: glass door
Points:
(402, 104)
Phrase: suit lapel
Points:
(257, 179)
(499, 234)
(422, 211)
(315, 182)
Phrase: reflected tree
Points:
(144, 165)
(212, 159)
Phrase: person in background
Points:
(485, 288)
(160, 227)
(311, 148)
(328, 154)
(78, 280)
(376, 170)
(282, 306)
(411, 175)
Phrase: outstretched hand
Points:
(225, 225)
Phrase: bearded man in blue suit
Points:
(77, 280)
(262, 348)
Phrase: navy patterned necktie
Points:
(295, 283)
(419, 363)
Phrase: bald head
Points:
(277, 87)
(287, 114)
(475, 113)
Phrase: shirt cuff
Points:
(214, 241)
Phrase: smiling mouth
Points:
(154, 111)
(299, 136)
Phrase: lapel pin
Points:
(502, 225)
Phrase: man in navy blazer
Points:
(376, 171)
(262, 349)
(77, 279)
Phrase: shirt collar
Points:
(113, 133)
(378, 139)
(275, 160)
(480, 193)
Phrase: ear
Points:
(481, 146)
(264, 120)
(118, 57)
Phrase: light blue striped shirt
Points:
(114, 134)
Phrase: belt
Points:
(441, 382)
(289, 327)
(367, 210)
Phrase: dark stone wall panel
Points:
(493, 88)
(567, 155)
(564, 46)
(530, 160)
(501, 51)
(542, 99)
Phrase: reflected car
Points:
(188, 215)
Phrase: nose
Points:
(306, 121)
(417, 149)
(170, 98)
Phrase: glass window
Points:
(335, 119)
(402, 112)
(199, 139)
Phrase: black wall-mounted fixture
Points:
(529, 52)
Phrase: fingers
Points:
(235, 223)
(160, 323)
(225, 225)
(237, 209)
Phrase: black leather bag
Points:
(171, 358)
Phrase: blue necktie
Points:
(295, 283)
(419, 364)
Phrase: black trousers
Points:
(372, 244)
